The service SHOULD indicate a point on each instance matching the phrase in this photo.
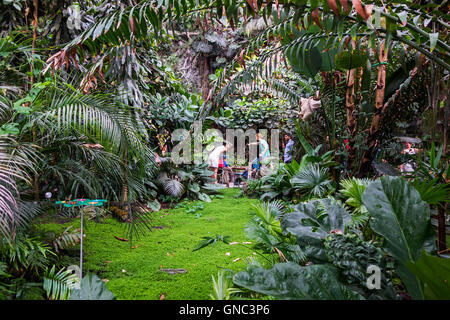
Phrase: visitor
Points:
(214, 159)
(256, 167)
(227, 170)
(408, 166)
(288, 149)
(264, 153)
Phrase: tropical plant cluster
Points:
(88, 105)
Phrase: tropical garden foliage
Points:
(91, 92)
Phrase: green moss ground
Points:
(169, 247)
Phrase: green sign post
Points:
(81, 203)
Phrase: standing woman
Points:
(214, 159)
(264, 153)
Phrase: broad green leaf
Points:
(433, 40)
(228, 113)
(403, 16)
(434, 272)
(9, 128)
(204, 197)
(403, 219)
(92, 288)
(154, 205)
(194, 187)
(290, 281)
(349, 60)
(22, 109)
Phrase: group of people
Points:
(261, 164)
(217, 158)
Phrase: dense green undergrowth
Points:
(133, 273)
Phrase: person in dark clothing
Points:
(288, 149)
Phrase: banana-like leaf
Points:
(290, 281)
(403, 219)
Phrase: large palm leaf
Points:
(171, 186)
(312, 180)
(99, 118)
(353, 190)
(14, 166)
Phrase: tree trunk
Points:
(380, 111)
(205, 77)
(35, 24)
(351, 117)
(33, 47)
(125, 193)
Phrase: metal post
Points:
(81, 247)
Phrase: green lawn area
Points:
(134, 273)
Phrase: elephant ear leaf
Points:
(154, 205)
(204, 197)
(434, 272)
(290, 281)
(403, 219)
(92, 288)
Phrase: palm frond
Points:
(222, 289)
(172, 187)
(66, 239)
(313, 180)
(58, 284)
(212, 241)
(433, 192)
(14, 165)
(353, 190)
(268, 213)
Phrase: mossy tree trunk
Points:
(379, 113)
(351, 122)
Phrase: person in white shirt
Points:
(214, 158)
